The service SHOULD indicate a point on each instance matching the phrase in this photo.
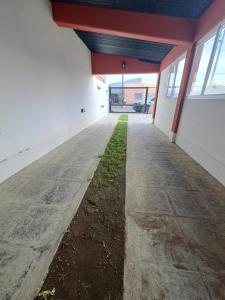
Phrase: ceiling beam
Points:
(212, 17)
(136, 25)
(120, 65)
(172, 56)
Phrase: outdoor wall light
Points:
(123, 65)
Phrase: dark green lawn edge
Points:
(90, 259)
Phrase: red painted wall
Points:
(136, 25)
(212, 17)
(172, 56)
(112, 64)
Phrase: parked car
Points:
(141, 107)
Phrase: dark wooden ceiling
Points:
(179, 8)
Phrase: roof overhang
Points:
(129, 24)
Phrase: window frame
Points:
(174, 64)
(140, 94)
(214, 32)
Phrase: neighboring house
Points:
(132, 93)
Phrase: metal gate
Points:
(129, 99)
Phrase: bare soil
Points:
(90, 259)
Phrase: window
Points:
(216, 81)
(175, 76)
(138, 96)
(178, 78)
(208, 70)
(172, 73)
(201, 61)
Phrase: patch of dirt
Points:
(90, 259)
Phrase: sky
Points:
(147, 78)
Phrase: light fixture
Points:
(123, 65)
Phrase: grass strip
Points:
(123, 118)
(89, 261)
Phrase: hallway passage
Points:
(175, 215)
(37, 205)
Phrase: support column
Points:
(156, 97)
(182, 92)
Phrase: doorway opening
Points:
(134, 93)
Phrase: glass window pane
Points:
(216, 80)
(200, 65)
(179, 74)
(169, 91)
(172, 73)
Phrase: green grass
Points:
(99, 223)
(112, 161)
(123, 118)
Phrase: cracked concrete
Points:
(175, 221)
(37, 205)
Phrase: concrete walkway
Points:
(37, 205)
(175, 215)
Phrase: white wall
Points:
(45, 80)
(201, 134)
(165, 106)
(201, 131)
